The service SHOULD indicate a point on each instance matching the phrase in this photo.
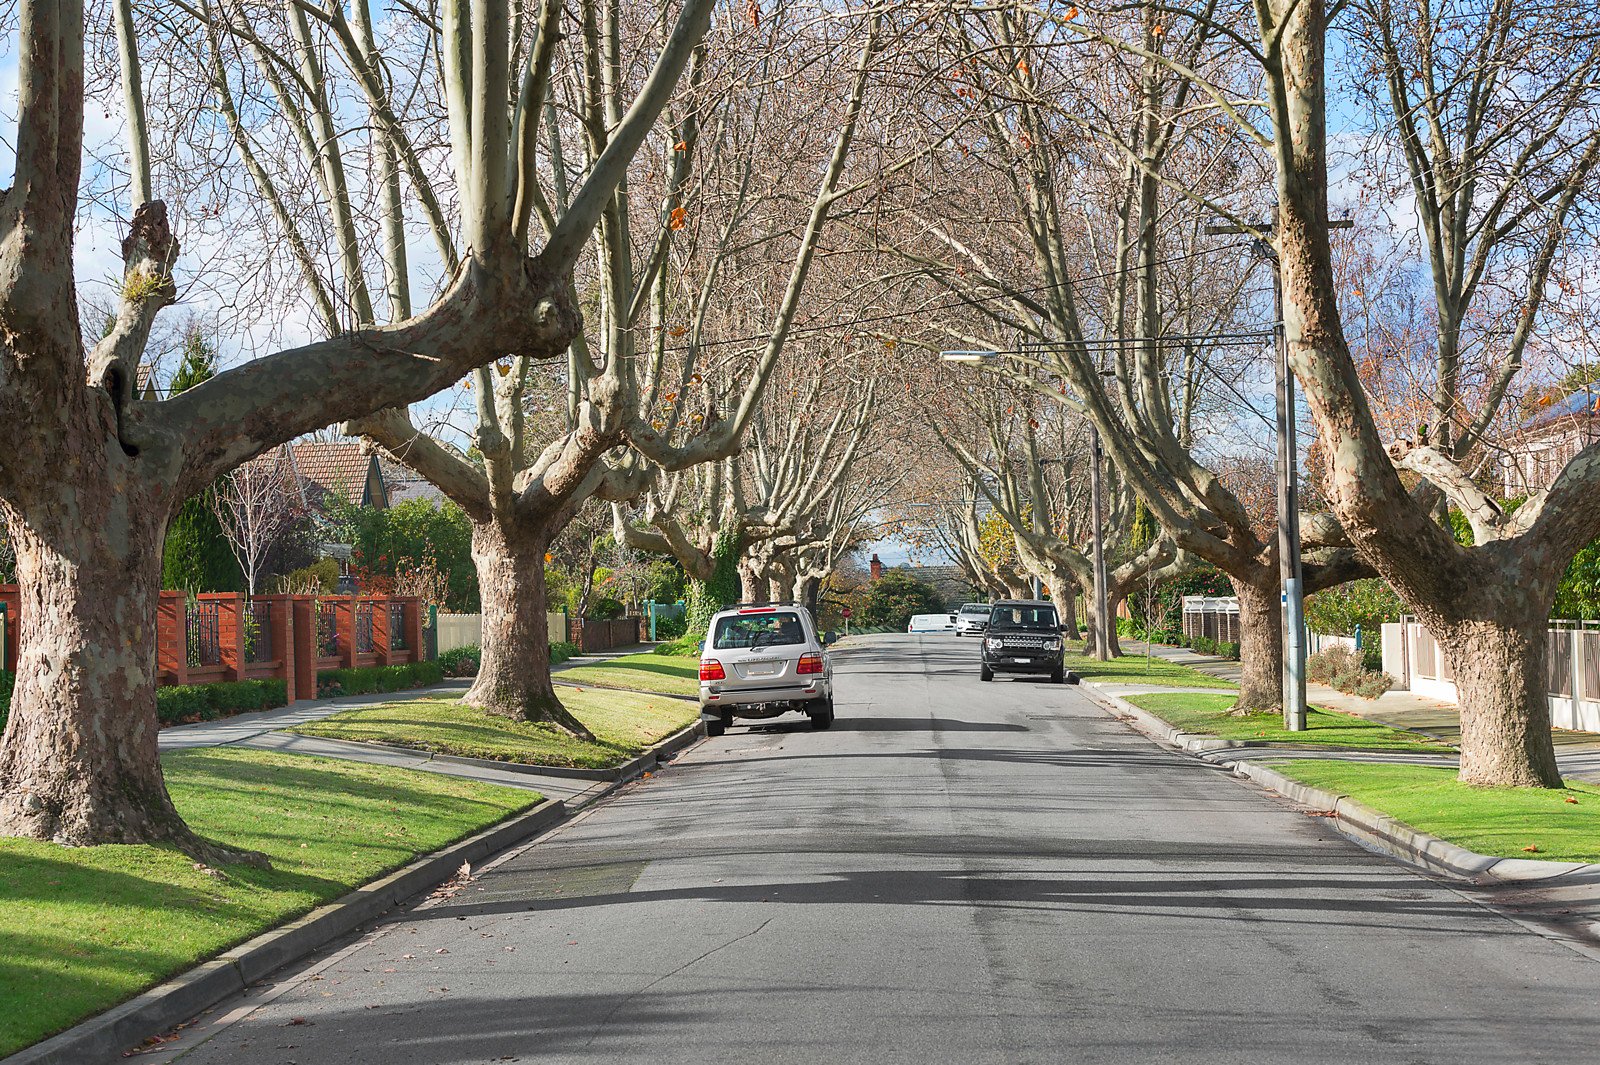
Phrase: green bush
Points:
(461, 661)
(671, 628)
(206, 702)
(687, 644)
(182, 703)
(561, 650)
(1228, 649)
(368, 680)
(1342, 668)
(1372, 657)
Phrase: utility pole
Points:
(1289, 569)
(1102, 623)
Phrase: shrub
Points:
(1344, 668)
(1228, 649)
(1372, 658)
(561, 650)
(461, 661)
(182, 703)
(1204, 645)
(671, 628)
(687, 644)
(367, 680)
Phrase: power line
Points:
(964, 301)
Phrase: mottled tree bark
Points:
(514, 667)
(1260, 645)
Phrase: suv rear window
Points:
(773, 629)
(1018, 616)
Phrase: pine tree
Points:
(196, 556)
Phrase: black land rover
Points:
(1024, 636)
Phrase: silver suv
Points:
(760, 661)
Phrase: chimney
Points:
(877, 567)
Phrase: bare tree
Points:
(255, 505)
(91, 471)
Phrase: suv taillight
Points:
(810, 664)
(711, 669)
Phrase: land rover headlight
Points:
(993, 645)
(1053, 645)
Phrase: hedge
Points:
(6, 681)
(463, 661)
(332, 683)
(181, 703)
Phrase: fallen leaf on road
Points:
(293, 1021)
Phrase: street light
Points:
(1102, 638)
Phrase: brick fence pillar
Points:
(230, 630)
(172, 637)
(303, 615)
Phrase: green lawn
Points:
(665, 674)
(82, 928)
(1500, 821)
(1199, 712)
(1136, 669)
(624, 723)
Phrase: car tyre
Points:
(717, 727)
(821, 719)
(985, 673)
(1058, 675)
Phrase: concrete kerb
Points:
(105, 1037)
(1361, 823)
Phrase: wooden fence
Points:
(218, 636)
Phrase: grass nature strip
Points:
(1137, 669)
(624, 723)
(649, 672)
(83, 928)
(1553, 824)
(1206, 713)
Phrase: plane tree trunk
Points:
(514, 667)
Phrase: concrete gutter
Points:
(1360, 823)
(108, 1036)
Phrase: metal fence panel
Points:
(258, 633)
(204, 631)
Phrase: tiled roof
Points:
(338, 466)
(1585, 402)
(402, 484)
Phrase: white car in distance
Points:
(972, 619)
(931, 623)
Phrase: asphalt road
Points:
(956, 872)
